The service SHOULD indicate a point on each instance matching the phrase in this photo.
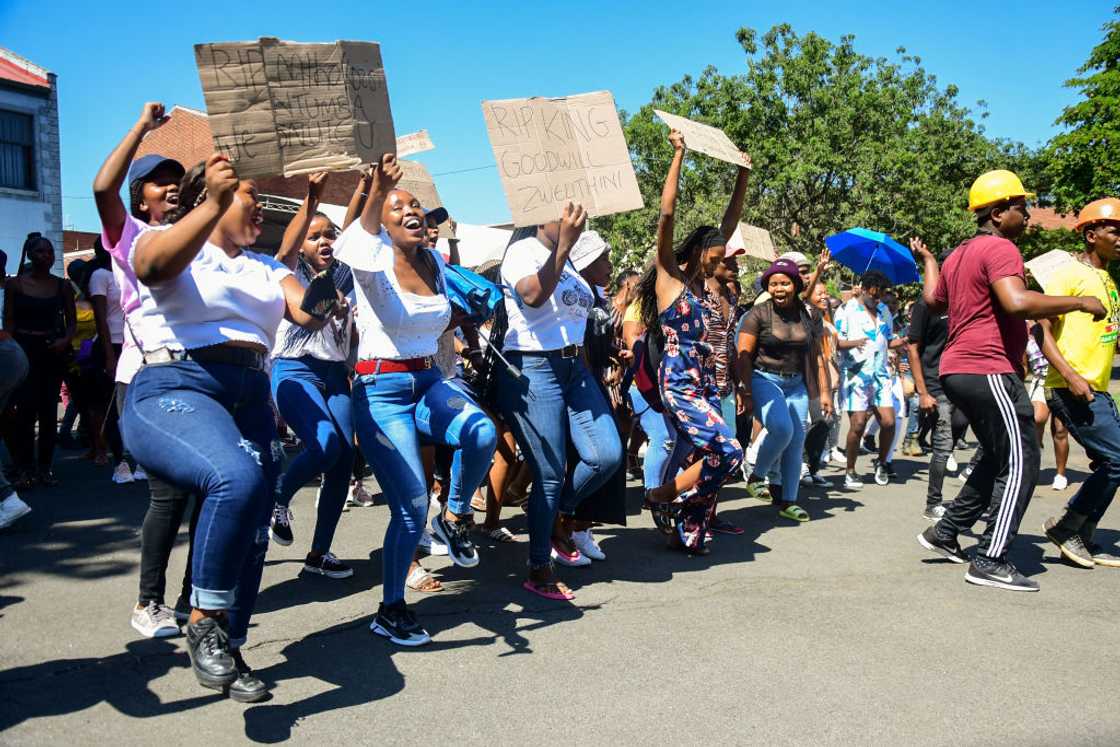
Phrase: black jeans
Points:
(37, 401)
(166, 506)
(1001, 414)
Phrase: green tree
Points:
(838, 139)
(1083, 162)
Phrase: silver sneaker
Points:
(852, 482)
(154, 621)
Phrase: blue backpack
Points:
(472, 293)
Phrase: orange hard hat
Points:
(1097, 211)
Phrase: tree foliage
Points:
(1083, 162)
(838, 139)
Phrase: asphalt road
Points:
(838, 631)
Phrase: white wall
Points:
(24, 212)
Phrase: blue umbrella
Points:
(861, 250)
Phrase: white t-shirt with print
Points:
(392, 323)
(217, 299)
(102, 283)
(331, 343)
(558, 322)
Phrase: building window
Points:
(17, 153)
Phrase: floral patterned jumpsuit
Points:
(687, 379)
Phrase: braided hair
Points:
(687, 253)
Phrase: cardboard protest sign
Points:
(420, 184)
(1043, 266)
(278, 107)
(413, 143)
(702, 138)
(552, 151)
(755, 241)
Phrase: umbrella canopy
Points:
(861, 249)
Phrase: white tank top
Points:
(392, 323)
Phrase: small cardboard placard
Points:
(278, 107)
(554, 151)
(413, 143)
(1043, 266)
(417, 181)
(755, 241)
(702, 138)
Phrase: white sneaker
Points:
(964, 473)
(804, 469)
(1060, 482)
(852, 482)
(139, 475)
(837, 457)
(587, 545)
(575, 560)
(122, 474)
(430, 545)
(154, 621)
(358, 496)
(951, 464)
(11, 510)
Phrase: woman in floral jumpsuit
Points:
(672, 310)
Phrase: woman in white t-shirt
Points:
(311, 388)
(198, 413)
(105, 298)
(556, 405)
(401, 400)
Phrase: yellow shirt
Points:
(633, 313)
(1086, 345)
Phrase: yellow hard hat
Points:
(1097, 211)
(995, 186)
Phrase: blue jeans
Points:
(782, 404)
(556, 403)
(666, 452)
(1096, 426)
(13, 370)
(394, 415)
(913, 415)
(313, 397)
(206, 428)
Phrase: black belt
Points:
(224, 354)
(568, 351)
(783, 374)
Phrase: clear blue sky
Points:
(442, 59)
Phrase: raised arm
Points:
(453, 256)
(296, 231)
(822, 265)
(537, 288)
(110, 177)
(664, 259)
(357, 200)
(735, 206)
(930, 275)
(386, 174)
(1017, 300)
(162, 255)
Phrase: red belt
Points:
(385, 366)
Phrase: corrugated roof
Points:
(19, 70)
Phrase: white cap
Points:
(796, 257)
(588, 248)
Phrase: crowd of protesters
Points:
(183, 349)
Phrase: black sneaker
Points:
(999, 574)
(208, 646)
(457, 537)
(328, 565)
(399, 624)
(1072, 548)
(280, 526)
(934, 513)
(247, 688)
(950, 549)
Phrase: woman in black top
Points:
(39, 313)
(778, 364)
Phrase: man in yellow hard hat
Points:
(1080, 350)
(983, 287)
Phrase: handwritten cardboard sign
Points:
(413, 143)
(1043, 266)
(554, 151)
(755, 241)
(288, 108)
(702, 138)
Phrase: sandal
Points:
(548, 590)
(421, 580)
(723, 526)
(758, 490)
(794, 512)
(662, 512)
(499, 534)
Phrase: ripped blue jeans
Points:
(394, 415)
(206, 428)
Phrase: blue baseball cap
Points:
(145, 165)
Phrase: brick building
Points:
(30, 171)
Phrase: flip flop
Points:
(540, 590)
(501, 534)
(794, 512)
(421, 580)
